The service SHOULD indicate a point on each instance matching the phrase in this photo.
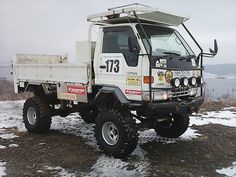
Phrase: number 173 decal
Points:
(112, 66)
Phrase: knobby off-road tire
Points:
(173, 128)
(124, 131)
(89, 114)
(36, 115)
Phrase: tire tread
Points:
(129, 142)
(44, 122)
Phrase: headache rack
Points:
(146, 14)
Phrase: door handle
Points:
(102, 66)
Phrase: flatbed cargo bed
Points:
(29, 70)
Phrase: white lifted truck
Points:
(139, 74)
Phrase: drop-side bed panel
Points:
(52, 73)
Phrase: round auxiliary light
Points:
(175, 82)
(200, 80)
(192, 81)
(184, 81)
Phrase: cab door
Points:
(117, 65)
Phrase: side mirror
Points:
(133, 44)
(215, 51)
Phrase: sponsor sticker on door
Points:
(133, 80)
(81, 90)
(132, 92)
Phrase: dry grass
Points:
(7, 92)
(215, 105)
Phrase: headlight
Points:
(193, 91)
(146, 96)
(175, 82)
(184, 81)
(160, 95)
(192, 81)
(200, 80)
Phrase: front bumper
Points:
(173, 107)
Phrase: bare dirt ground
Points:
(200, 157)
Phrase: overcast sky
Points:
(53, 26)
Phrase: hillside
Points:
(221, 69)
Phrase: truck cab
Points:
(124, 56)
(139, 74)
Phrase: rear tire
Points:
(89, 114)
(174, 126)
(116, 134)
(36, 115)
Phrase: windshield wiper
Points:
(187, 57)
(171, 53)
(166, 56)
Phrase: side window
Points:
(115, 40)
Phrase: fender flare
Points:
(115, 91)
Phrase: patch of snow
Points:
(229, 171)
(2, 147)
(13, 145)
(225, 117)
(150, 135)
(8, 136)
(190, 134)
(40, 171)
(64, 173)
(139, 152)
(73, 124)
(42, 144)
(60, 171)
(11, 115)
(230, 108)
(147, 136)
(109, 166)
(2, 169)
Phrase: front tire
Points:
(36, 115)
(116, 134)
(174, 126)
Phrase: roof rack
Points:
(146, 14)
(129, 5)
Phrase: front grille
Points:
(179, 92)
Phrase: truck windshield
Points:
(167, 43)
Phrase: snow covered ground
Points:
(229, 171)
(2, 168)
(11, 116)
